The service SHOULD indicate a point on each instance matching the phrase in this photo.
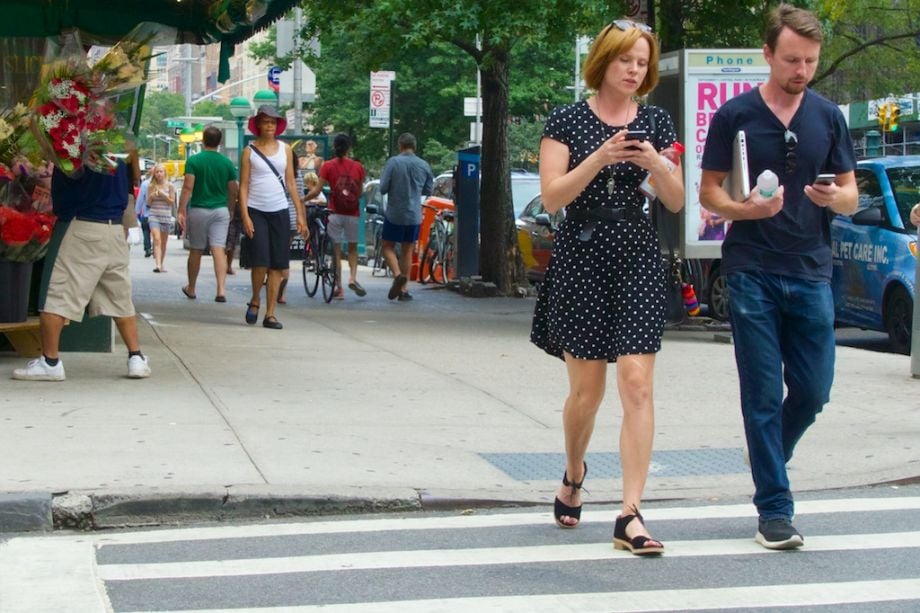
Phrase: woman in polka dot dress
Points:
(603, 298)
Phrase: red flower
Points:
(16, 229)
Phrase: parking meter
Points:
(466, 201)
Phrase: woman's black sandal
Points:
(560, 509)
(637, 545)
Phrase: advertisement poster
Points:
(710, 77)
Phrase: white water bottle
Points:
(767, 183)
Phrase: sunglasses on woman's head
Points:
(628, 24)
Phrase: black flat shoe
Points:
(560, 509)
(252, 313)
(637, 545)
(271, 322)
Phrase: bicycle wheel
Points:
(310, 278)
(450, 261)
(327, 269)
(434, 255)
(379, 263)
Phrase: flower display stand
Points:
(24, 337)
(15, 281)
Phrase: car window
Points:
(870, 192)
(533, 208)
(443, 187)
(523, 191)
(904, 184)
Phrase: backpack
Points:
(346, 192)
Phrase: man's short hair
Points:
(211, 137)
(406, 141)
(802, 22)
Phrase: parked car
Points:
(524, 186)
(875, 250)
(536, 230)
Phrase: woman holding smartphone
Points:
(603, 298)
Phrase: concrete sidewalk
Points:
(368, 404)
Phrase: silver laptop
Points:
(738, 181)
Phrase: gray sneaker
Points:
(778, 534)
(39, 370)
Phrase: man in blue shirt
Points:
(91, 268)
(406, 178)
(777, 255)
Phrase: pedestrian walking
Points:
(776, 256)
(160, 200)
(346, 180)
(209, 189)
(405, 179)
(603, 297)
(140, 209)
(266, 175)
(292, 216)
(91, 271)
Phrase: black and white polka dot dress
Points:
(604, 297)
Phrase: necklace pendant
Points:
(610, 186)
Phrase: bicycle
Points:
(376, 220)
(438, 262)
(319, 255)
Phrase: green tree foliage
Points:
(487, 32)
(157, 107)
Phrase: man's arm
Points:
(715, 199)
(187, 184)
(385, 177)
(842, 196)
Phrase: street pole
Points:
(298, 76)
(390, 127)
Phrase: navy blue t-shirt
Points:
(92, 195)
(795, 242)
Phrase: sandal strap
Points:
(575, 485)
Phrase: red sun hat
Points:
(268, 111)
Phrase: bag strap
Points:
(270, 165)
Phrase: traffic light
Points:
(883, 116)
(181, 151)
(894, 117)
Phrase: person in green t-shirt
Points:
(209, 192)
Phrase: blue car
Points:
(875, 250)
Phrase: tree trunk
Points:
(499, 260)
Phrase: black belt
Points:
(111, 222)
(601, 213)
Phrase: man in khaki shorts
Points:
(91, 269)
(209, 190)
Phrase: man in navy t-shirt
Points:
(91, 270)
(777, 255)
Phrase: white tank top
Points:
(265, 191)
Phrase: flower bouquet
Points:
(77, 108)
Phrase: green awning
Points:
(200, 22)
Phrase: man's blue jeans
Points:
(783, 331)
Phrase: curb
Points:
(25, 512)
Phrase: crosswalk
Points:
(860, 554)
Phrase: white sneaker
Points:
(39, 370)
(138, 367)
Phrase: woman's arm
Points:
(245, 173)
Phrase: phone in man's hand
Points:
(826, 178)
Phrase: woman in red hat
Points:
(266, 178)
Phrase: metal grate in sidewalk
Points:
(665, 463)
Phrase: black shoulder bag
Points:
(666, 224)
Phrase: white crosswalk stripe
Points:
(514, 561)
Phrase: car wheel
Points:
(718, 295)
(899, 319)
